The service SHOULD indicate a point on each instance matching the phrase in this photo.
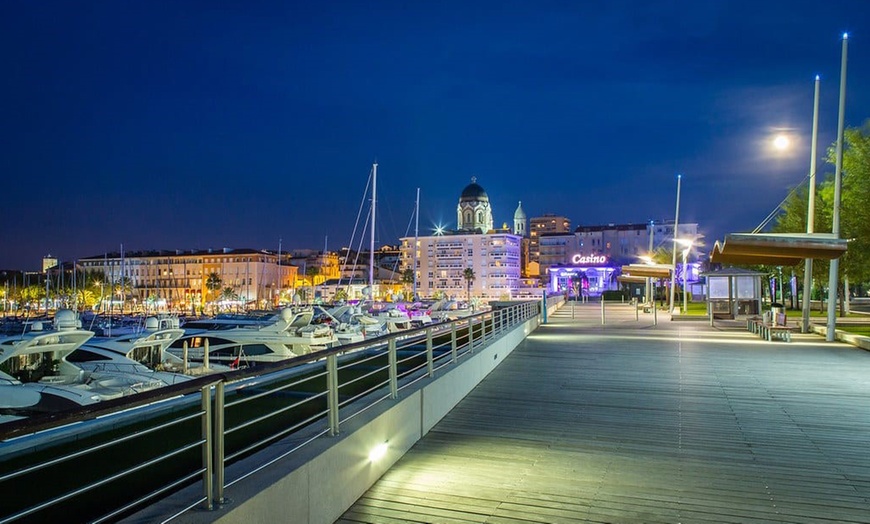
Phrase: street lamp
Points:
(688, 246)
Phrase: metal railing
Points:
(142, 448)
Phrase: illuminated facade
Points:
(474, 213)
(621, 243)
(179, 280)
(543, 225)
(591, 256)
(442, 260)
(493, 255)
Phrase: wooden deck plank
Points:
(634, 423)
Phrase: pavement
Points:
(628, 421)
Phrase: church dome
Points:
(473, 192)
(519, 214)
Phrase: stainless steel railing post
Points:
(470, 335)
(453, 341)
(430, 363)
(332, 393)
(394, 369)
(207, 479)
(219, 450)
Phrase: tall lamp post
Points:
(811, 212)
(688, 246)
(838, 183)
(674, 257)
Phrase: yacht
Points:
(350, 324)
(446, 309)
(36, 375)
(290, 334)
(143, 354)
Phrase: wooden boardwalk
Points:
(635, 423)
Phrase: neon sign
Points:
(589, 259)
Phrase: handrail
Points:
(244, 410)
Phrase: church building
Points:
(494, 255)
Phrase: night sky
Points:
(194, 125)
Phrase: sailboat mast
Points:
(372, 240)
(416, 235)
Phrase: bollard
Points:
(544, 302)
(602, 310)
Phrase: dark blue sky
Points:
(189, 125)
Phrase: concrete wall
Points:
(318, 482)
(844, 336)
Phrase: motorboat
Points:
(36, 375)
(446, 309)
(143, 355)
(291, 334)
(351, 324)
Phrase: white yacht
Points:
(37, 377)
(143, 355)
(446, 309)
(351, 324)
(291, 334)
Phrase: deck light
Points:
(378, 452)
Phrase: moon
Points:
(781, 142)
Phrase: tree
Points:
(468, 275)
(213, 283)
(408, 277)
(311, 272)
(854, 213)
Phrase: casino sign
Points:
(587, 260)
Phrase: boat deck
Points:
(635, 423)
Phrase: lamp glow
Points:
(378, 452)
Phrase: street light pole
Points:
(811, 213)
(685, 278)
(838, 183)
(674, 257)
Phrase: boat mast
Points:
(416, 236)
(372, 240)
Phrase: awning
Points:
(776, 249)
(648, 270)
(631, 279)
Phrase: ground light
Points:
(378, 452)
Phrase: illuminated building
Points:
(494, 256)
(593, 254)
(543, 225)
(179, 280)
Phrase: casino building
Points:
(590, 258)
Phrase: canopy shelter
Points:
(776, 249)
(647, 273)
(733, 291)
(648, 270)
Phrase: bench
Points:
(780, 332)
(753, 324)
(763, 327)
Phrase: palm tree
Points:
(213, 283)
(468, 275)
(124, 289)
(408, 277)
(229, 294)
(311, 272)
(576, 283)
